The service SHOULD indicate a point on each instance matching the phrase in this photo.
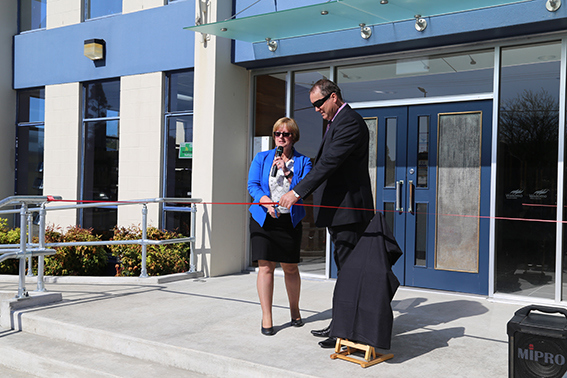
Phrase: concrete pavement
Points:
(211, 327)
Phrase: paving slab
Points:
(212, 326)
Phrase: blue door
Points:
(432, 177)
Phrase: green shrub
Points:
(74, 261)
(160, 259)
(9, 236)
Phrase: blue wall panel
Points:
(140, 42)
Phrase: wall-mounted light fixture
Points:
(272, 45)
(553, 5)
(94, 49)
(420, 23)
(365, 31)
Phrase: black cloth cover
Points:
(362, 310)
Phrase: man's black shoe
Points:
(328, 343)
(321, 332)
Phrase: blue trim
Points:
(140, 42)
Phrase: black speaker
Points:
(537, 342)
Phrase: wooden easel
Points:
(370, 355)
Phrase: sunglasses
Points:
(277, 134)
(321, 101)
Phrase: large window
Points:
(270, 105)
(312, 126)
(178, 148)
(99, 8)
(526, 186)
(425, 76)
(32, 14)
(29, 142)
(101, 111)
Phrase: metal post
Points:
(144, 272)
(30, 241)
(41, 236)
(22, 272)
(192, 267)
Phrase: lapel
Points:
(327, 135)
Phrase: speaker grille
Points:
(539, 356)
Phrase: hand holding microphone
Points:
(279, 152)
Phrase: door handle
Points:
(410, 189)
(399, 185)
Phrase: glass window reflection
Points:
(527, 169)
(310, 122)
(99, 8)
(427, 76)
(178, 149)
(32, 14)
(31, 105)
(30, 142)
(100, 152)
(312, 126)
(180, 91)
(102, 99)
(180, 156)
(270, 102)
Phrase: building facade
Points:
(465, 103)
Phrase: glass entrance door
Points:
(433, 184)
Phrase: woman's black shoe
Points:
(268, 331)
(297, 322)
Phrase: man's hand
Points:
(288, 200)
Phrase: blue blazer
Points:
(258, 183)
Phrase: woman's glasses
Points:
(277, 134)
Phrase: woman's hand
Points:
(280, 163)
(268, 204)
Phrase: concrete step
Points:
(11, 373)
(23, 354)
(192, 361)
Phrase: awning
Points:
(335, 16)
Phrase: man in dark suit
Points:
(339, 180)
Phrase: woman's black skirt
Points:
(277, 240)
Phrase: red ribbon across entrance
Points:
(51, 199)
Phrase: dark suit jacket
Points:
(362, 310)
(340, 177)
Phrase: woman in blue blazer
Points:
(276, 232)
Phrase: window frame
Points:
(82, 152)
(27, 123)
(20, 10)
(168, 114)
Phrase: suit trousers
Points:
(344, 238)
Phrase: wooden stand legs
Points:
(370, 355)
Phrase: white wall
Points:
(8, 28)
(220, 152)
(138, 5)
(139, 161)
(63, 13)
(61, 156)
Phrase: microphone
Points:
(279, 153)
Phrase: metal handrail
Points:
(27, 250)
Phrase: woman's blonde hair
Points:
(291, 126)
